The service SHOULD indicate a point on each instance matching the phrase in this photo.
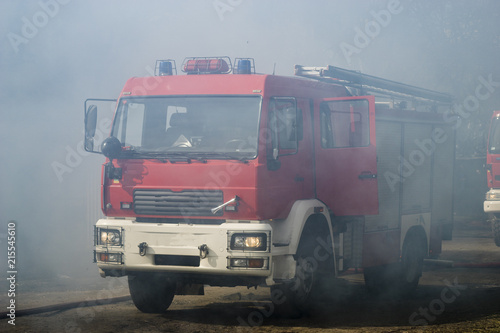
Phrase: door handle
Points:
(367, 175)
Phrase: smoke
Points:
(57, 53)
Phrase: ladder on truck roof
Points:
(368, 84)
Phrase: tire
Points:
(299, 296)
(495, 226)
(151, 293)
(399, 279)
(412, 263)
(295, 296)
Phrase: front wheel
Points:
(314, 274)
(151, 293)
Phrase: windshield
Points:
(494, 140)
(205, 126)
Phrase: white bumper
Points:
(492, 206)
(181, 241)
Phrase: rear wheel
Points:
(412, 263)
(401, 278)
(151, 293)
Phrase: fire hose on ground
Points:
(66, 306)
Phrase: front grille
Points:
(183, 203)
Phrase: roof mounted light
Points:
(207, 65)
(165, 67)
(244, 66)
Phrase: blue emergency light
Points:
(165, 67)
(244, 66)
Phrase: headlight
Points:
(109, 237)
(249, 242)
(493, 195)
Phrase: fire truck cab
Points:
(492, 202)
(225, 177)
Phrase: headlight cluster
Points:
(493, 195)
(111, 237)
(247, 248)
(249, 241)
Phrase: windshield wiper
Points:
(241, 158)
(137, 153)
(173, 157)
(166, 154)
(227, 156)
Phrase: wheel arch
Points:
(307, 217)
(419, 233)
(415, 225)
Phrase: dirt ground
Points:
(449, 299)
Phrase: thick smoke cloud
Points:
(57, 53)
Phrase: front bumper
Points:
(492, 206)
(182, 249)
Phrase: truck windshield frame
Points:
(208, 127)
(494, 138)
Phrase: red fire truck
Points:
(225, 177)
(492, 202)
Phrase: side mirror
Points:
(90, 127)
(91, 121)
(89, 144)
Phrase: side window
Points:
(284, 123)
(131, 118)
(345, 124)
(135, 118)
